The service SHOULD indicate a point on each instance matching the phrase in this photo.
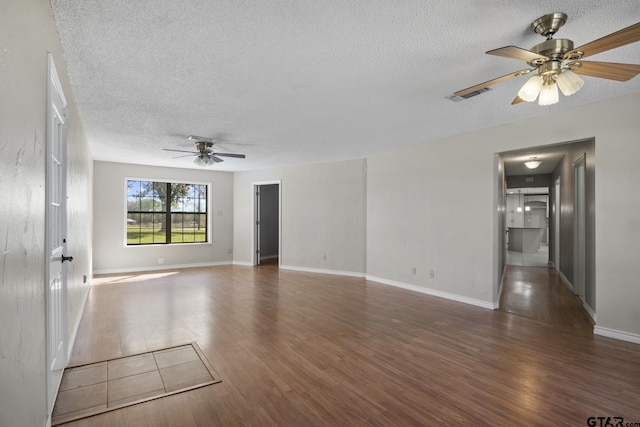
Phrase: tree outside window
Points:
(166, 212)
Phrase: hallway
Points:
(539, 293)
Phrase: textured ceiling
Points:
(290, 81)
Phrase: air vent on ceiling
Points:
(455, 98)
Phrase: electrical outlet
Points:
(160, 260)
(432, 274)
(413, 271)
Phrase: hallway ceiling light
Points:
(533, 163)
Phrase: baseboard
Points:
(435, 293)
(48, 422)
(566, 282)
(615, 334)
(322, 271)
(160, 267)
(244, 263)
(72, 339)
(588, 309)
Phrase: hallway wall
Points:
(567, 190)
(27, 34)
(432, 207)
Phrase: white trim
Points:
(435, 293)
(322, 271)
(589, 310)
(254, 186)
(161, 267)
(615, 334)
(72, 340)
(48, 422)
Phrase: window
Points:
(166, 212)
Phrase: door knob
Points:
(67, 258)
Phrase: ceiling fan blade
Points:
(216, 159)
(517, 100)
(186, 155)
(239, 156)
(607, 70)
(516, 52)
(619, 38)
(180, 151)
(467, 91)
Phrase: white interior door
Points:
(56, 221)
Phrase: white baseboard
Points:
(435, 293)
(247, 264)
(619, 335)
(589, 310)
(160, 267)
(72, 340)
(322, 271)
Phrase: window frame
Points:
(208, 235)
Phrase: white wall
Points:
(323, 213)
(27, 33)
(110, 254)
(432, 206)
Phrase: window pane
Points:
(159, 229)
(149, 199)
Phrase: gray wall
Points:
(27, 33)
(269, 220)
(565, 171)
(323, 213)
(519, 181)
(110, 252)
(419, 202)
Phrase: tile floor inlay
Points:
(113, 384)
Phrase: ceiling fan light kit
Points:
(530, 90)
(569, 82)
(557, 63)
(206, 155)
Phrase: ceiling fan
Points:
(206, 154)
(557, 63)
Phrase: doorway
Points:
(267, 220)
(55, 234)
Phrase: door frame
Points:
(255, 241)
(55, 321)
(556, 223)
(579, 226)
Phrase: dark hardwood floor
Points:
(298, 349)
(538, 292)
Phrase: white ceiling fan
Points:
(206, 154)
